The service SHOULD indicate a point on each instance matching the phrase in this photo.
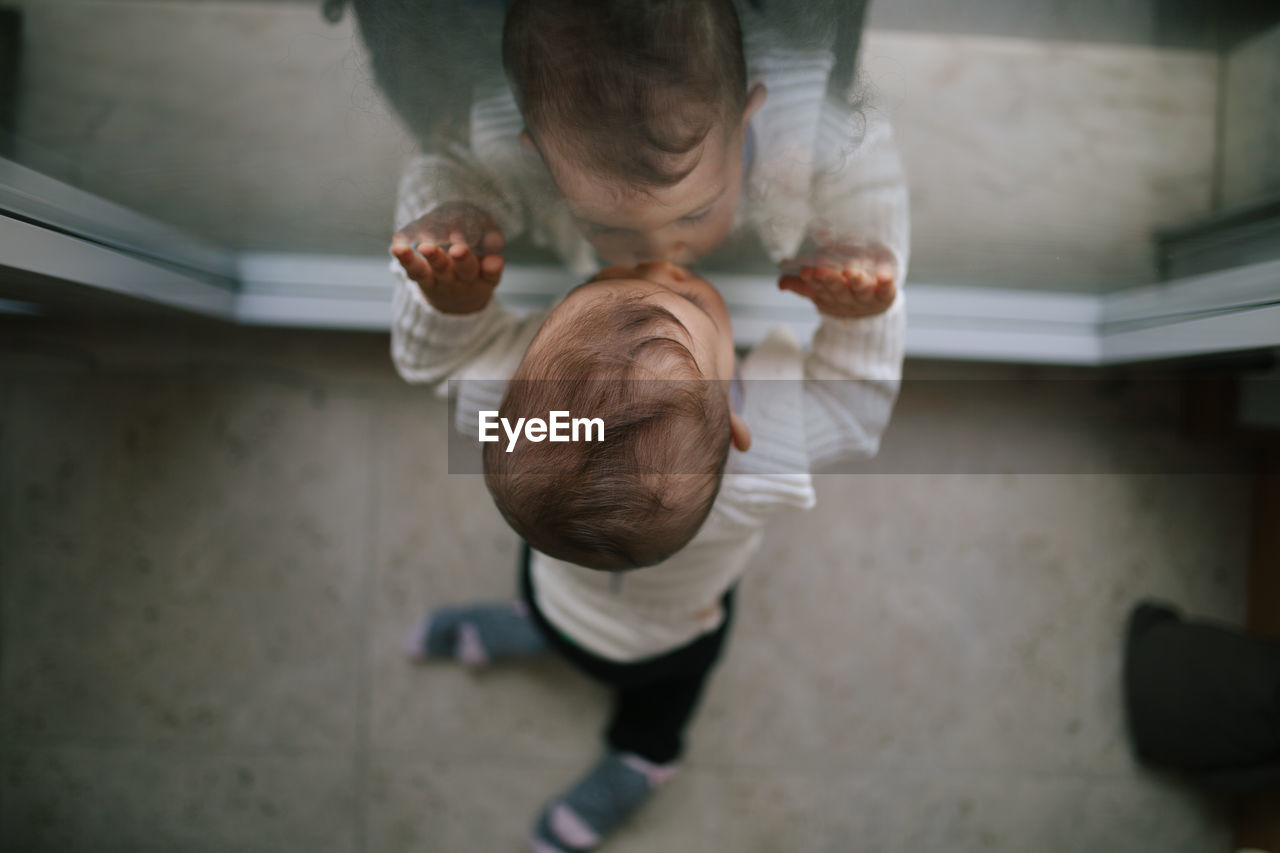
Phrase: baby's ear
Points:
(755, 100)
(527, 141)
(740, 433)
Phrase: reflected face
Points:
(693, 300)
(679, 223)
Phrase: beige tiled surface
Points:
(218, 537)
(438, 539)
(252, 125)
(122, 798)
(1033, 164)
(1044, 165)
(1251, 121)
(193, 579)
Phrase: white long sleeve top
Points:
(814, 163)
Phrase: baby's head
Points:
(648, 350)
(639, 109)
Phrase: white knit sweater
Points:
(813, 163)
(796, 426)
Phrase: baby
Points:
(636, 130)
(698, 453)
(643, 132)
(647, 349)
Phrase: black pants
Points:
(654, 698)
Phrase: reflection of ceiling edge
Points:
(28, 195)
(1226, 311)
(46, 252)
(1229, 310)
(54, 234)
(14, 306)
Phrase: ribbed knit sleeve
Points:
(786, 129)
(499, 174)
(428, 346)
(852, 374)
(859, 184)
(429, 180)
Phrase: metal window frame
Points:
(53, 229)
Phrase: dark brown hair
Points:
(626, 87)
(641, 494)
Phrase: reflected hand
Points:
(453, 254)
(844, 279)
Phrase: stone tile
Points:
(912, 629)
(906, 812)
(1033, 164)
(120, 799)
(1152, 813)
(7, 457)
(762, 809)
(1016, 812)
(1146, 22)
(1251, 121)
(189, 559)
(446, 806)
(449, 806)
(228, 120)
(440, 540)
(455, 806)
(1009, 812)
(953, 645)
(1180, 539)
(1044, 166)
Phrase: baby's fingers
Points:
(491, 268)
(862, 281)
(885, 291)
(465, 264)
(441, 263)
(886, 272)
(829, 283)
(862, 295)
(415, 267)
(493, 242)
(796, 284)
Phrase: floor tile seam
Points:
(877, 770)
(380, 754)
(364, 672)
(390, 755)
(249, 377)
(8, 525)
(186, 750)
(912, 765)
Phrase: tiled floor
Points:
(1034, 163)
(213, 540)
(1168, 23)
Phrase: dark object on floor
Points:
(1247, 234)
(10, 62)
(1258, 815)
(1203, 699)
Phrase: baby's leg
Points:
(645, 739)
(602, 800)
(476, 634)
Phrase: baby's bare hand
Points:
(453, 254)
(844, 280)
